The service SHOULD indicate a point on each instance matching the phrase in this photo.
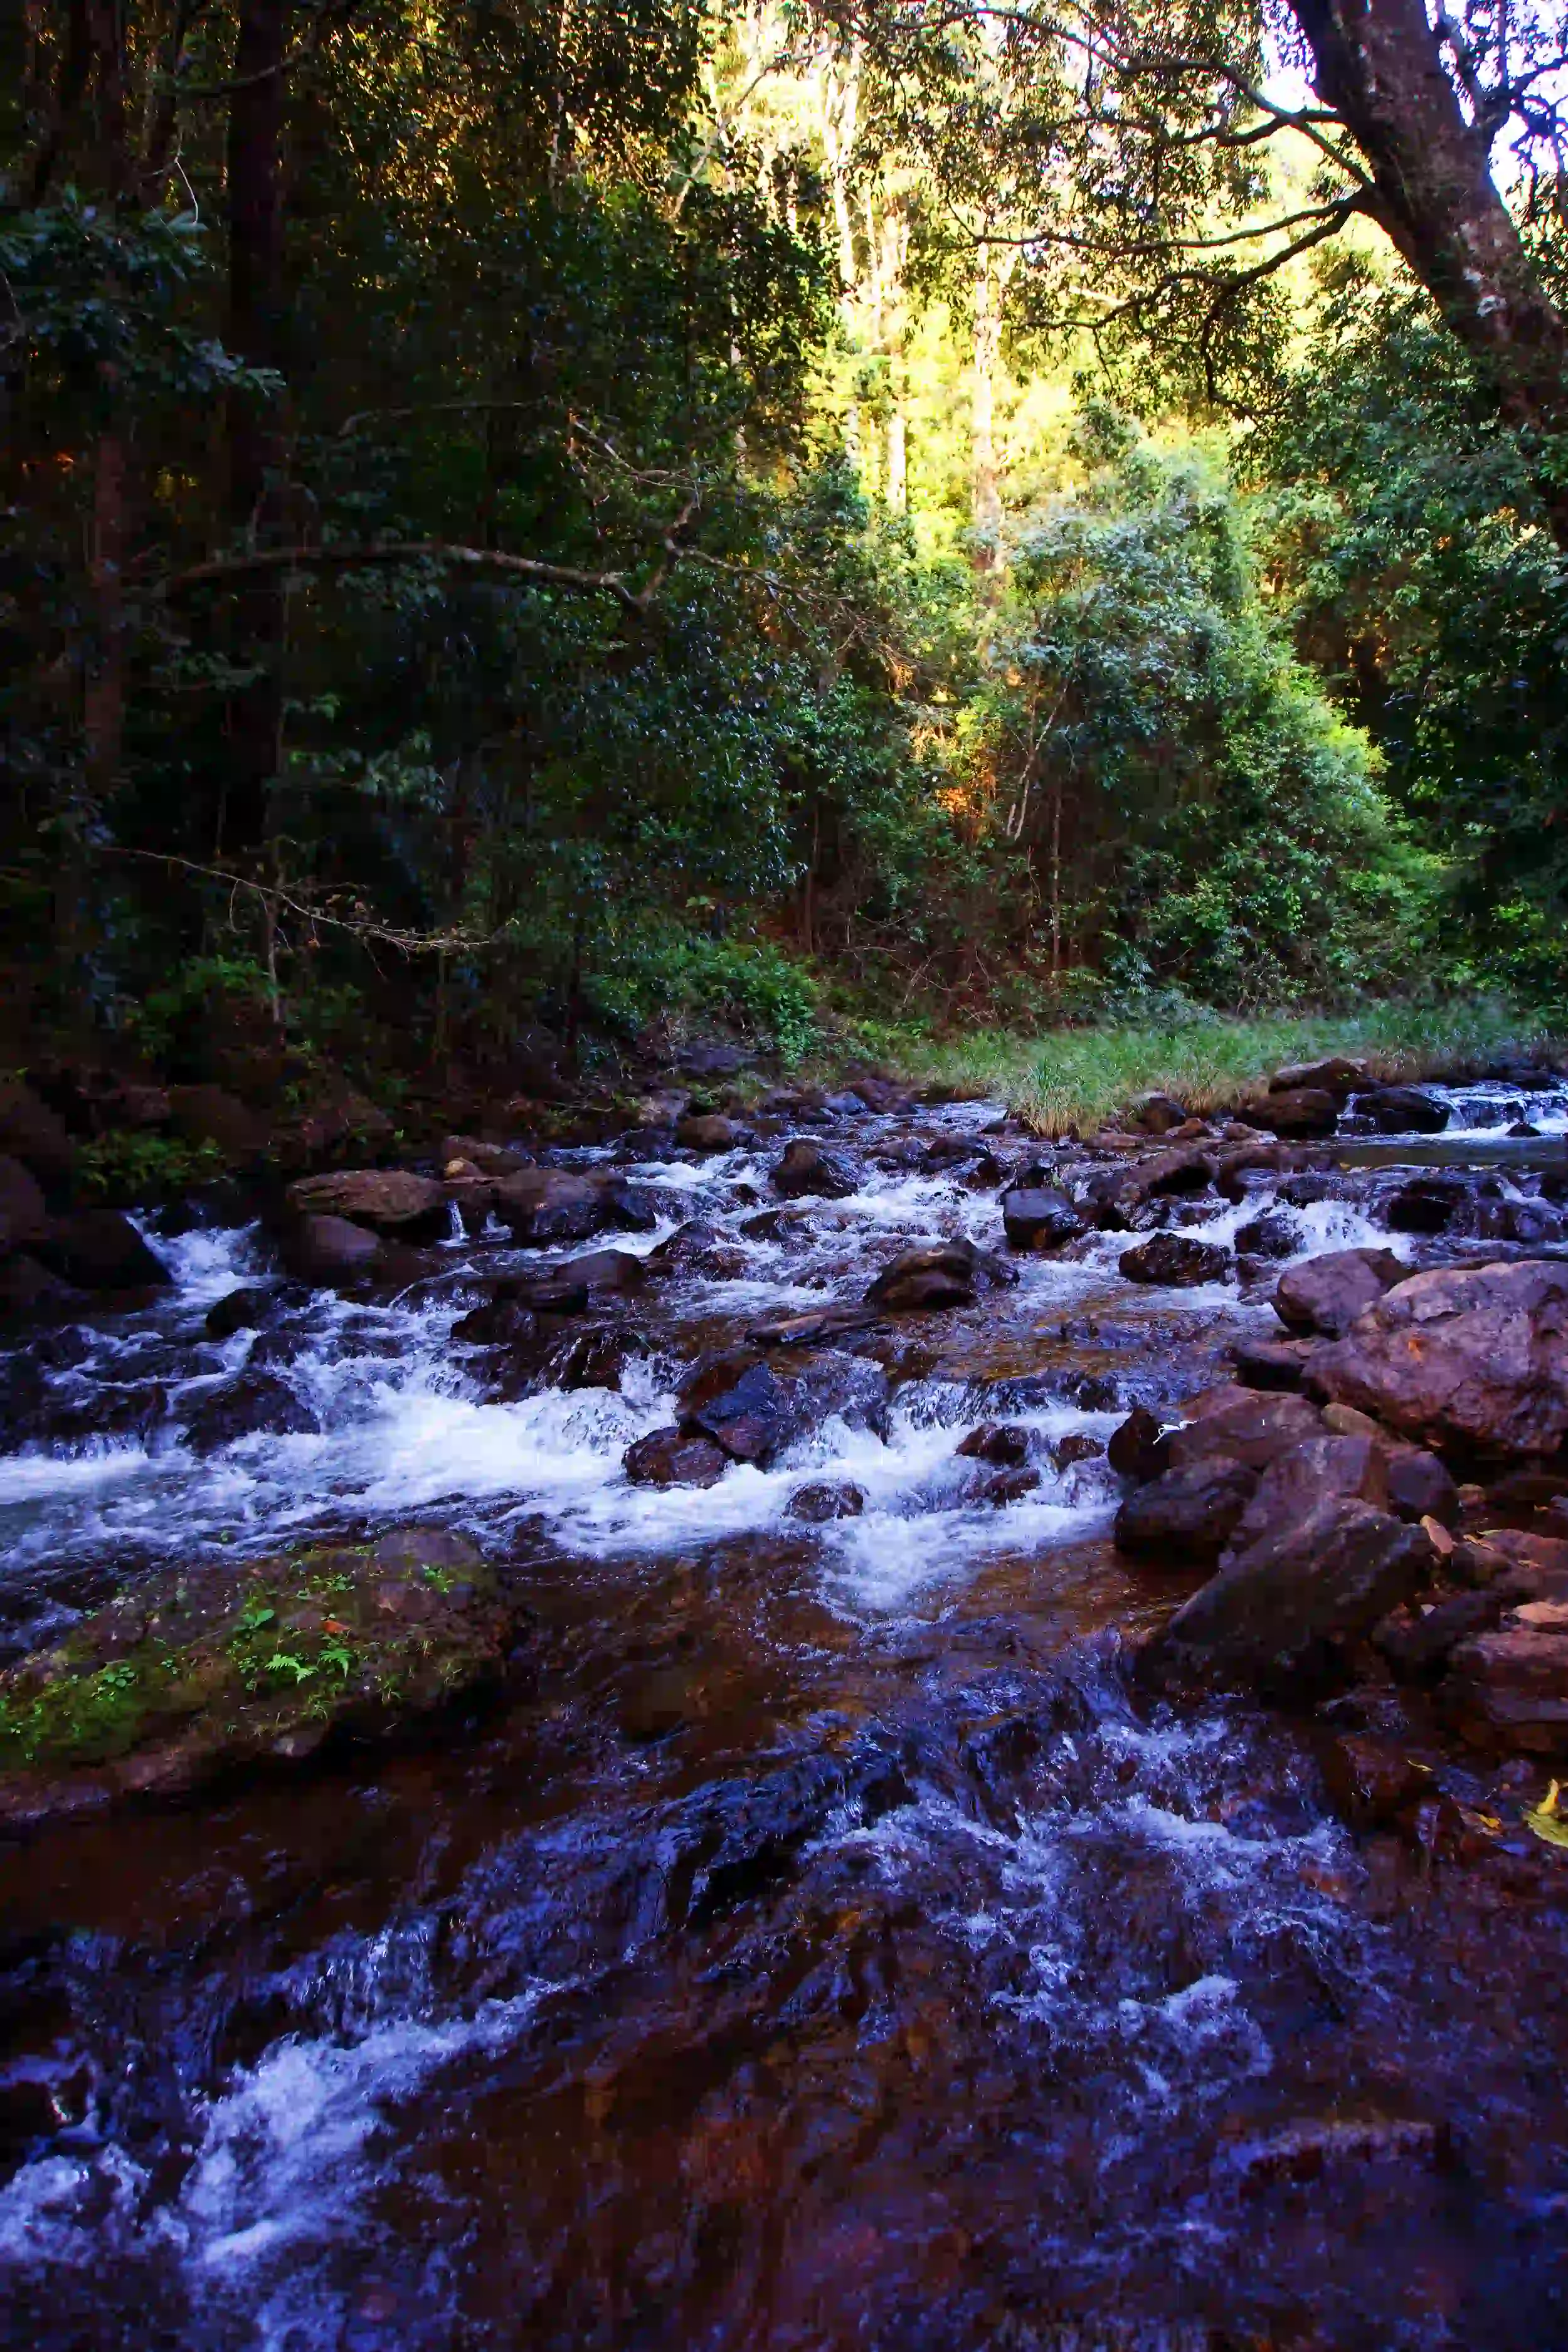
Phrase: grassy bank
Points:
(1082, 1078)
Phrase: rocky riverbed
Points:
(819, 1724)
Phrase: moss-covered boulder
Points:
(250, 1664)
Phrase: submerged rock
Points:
(243, 1665)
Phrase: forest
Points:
(528, 522)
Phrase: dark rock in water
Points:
(1328, 1293)
(1469, 1357)
(1521, 1132)
(1004, 1443)
(387, 1199)
(567, 1288)
(702, 1248)
(808, 1169)
(330, 1250)
(245, 1665)
(669, 1457)
(752, 1406)
(33, 1134)
(1427, 1204)
(1370, 1780)
(542, 1205)
(24, 1215)
(27, 1288)
(1176, 1260)
(1268, 1236)
(1009, 1486)
(1334, 1076)
(1508, 1689)
(1271, 1363)
(98, 1249)
(1304, 1111)
(1533, 1222)
(242, 1310)
(504, 1322)
(1403, 1110)
(812, 1328)
(1133, 1452)
(1417, 1644)
(1078, 1445)
(134, 1411)
(942, 1274)
(1189, 1512)
(817, 1506)
(1280, 1616)
(707, 1133)
(598, 1360)
(256, 1403)
(1036, 1217)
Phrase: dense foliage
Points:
(545, 515)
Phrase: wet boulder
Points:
(247, 1665)
(1327, 1292)
(753, 1406)
(243, 1309)
(1273, 1234)
(570, 1287)
(944, 1274)
(674, 1458)
(389, 1201)
(706, 1133)
(1332, 1076)
(1419, 1484)
(1248, 1426)
(597, 1359)
(1156, 1114)
(1282, 1616)
(809, 1169)
(328, 1250)
(1426, 1204)
(1190, 1512)
(1271, 1363)
(1473, 1359)
(1005, 1444)
(540, 1206)
(820, 1505)
(100, 1249)
(812, 1328)
(256, 1404)
(1038, 1217)
(1305, 1111)
(1304, 1475)
(1133, 1449)
(1403, 1110)
(1175, 1261)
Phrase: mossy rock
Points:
(247, 1663)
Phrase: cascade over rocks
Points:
(1473, 1359)
(752, 1406)
(256, 1403)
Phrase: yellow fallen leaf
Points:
(1550, 1825)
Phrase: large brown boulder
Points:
(1326, 1294)
(707, 1131)
(1247, 1425)
(668, 1457)
(1038, 1217)
(387, 1199)
(330, 1250)
(1304, 1111)
(1190, 1513)
(1333, 1076)
(1281, 1614)
(1472, 1357)
(808, 1170)
(541, 1205)
(943, 1274)
(100, 1249)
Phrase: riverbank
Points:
(1082, 1078)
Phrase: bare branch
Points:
(351, 555)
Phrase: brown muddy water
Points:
(820, 1944)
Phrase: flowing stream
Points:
(820, 1946)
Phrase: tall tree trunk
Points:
(986, 489)
(1380, 66)
(254, 335)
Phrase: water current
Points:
(820, 1946)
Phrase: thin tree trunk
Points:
(254, 335)
(985, 490)
(1380, 66)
